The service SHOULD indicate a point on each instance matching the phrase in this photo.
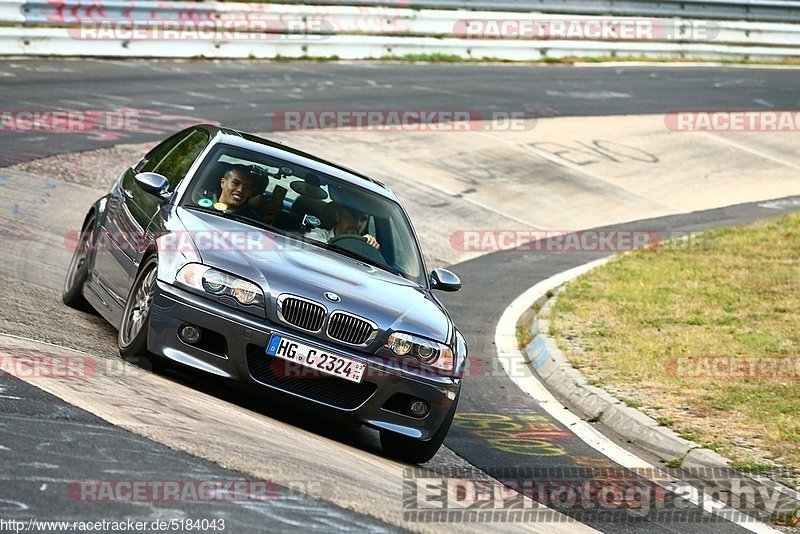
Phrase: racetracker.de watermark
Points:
(34, 364)
(402, 120)
(581, 28)
(198, 491)
(69, 120)
(259, 29)
(733, 121)
(552, 240)
(728, 367)
(180, 241)
(477, 240)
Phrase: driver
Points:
(348, 222)
(241, 191)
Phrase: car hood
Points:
(280, 264)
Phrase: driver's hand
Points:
(372, 241)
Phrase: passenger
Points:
(347, 222)
(241, 193)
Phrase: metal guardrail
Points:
(357, 31)
(306, 19)
(752, 10)
(11, 11)
(744, 10)
(59, 42)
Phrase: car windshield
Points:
(306, 204)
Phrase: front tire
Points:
(414, 451)
(78, 271)
(133, 329)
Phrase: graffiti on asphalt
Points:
(595, 151)
(528, 435)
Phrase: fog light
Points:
(419, 408)
(189, 334)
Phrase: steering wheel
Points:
(358, 244)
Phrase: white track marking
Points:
(749, 150)
(578, 169)
(23, 338)
(168, 105)
(112, 97)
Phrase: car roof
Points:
(220, 134)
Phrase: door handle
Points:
(128, 193)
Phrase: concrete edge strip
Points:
(570, 384)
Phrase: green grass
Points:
(688, 434)
(675, 463)
(631, 403)
(433, 58)
(665, 421)
(753, 467)
(652, 322)
(715, 446)
(455, 58)
(524, 335)
(787, 519)
(305, 58)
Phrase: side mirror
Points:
(153, 183)
(445, 280)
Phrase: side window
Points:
(176, 163)
(155, 156)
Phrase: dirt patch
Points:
(93, 168)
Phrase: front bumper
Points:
(234, 348)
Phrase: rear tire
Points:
(78, 271)
(412, 450)
(133, 330)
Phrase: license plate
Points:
(314, 358)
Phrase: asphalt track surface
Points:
(243, 94)
(495, 394)
(49, 447)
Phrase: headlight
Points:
(218, 283)
(426, 351)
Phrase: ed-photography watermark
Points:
(402, 120)
(586, 28)
(586, 494)
(733, 121)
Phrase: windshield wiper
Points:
(364, 259)
(240, 218)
